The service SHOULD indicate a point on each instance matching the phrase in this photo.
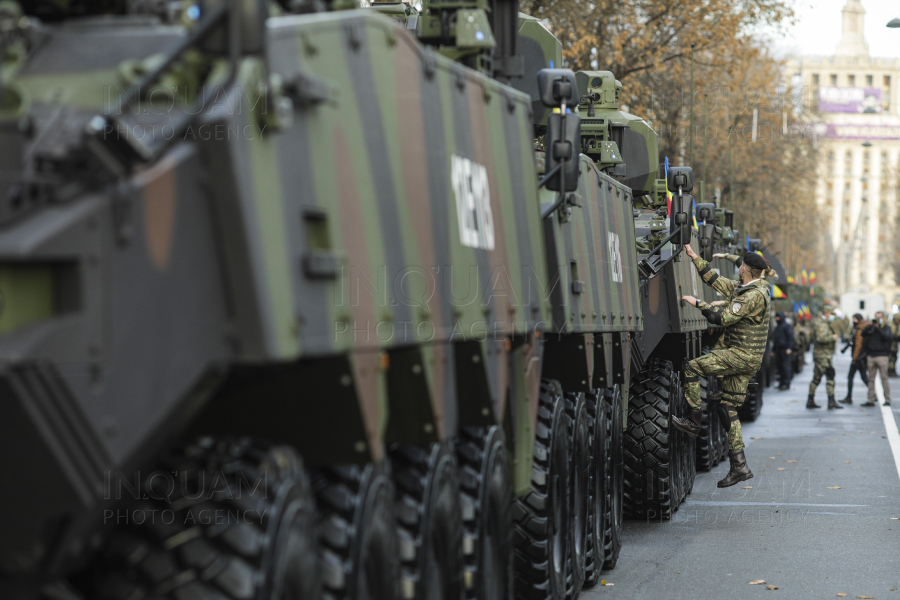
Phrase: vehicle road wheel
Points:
(598, 423)
(541, 516)
(687, 451)
(615, 476)
(264, 547)
(358, 532)
(429, 521)
(579, 490)
(749, 411)
(707, 454)
(650, 462)
(486, 509)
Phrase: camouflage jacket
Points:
(745, 314)
(823, 336)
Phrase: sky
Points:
(818, 27)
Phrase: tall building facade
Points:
(858, 137)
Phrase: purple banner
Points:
(858, 132)
(850, 100)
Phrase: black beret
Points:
(755, 261)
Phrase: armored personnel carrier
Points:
(302, 302)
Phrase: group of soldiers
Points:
(869, 342)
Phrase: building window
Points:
(815, 79)
(866, 157)
(851, 80)
(834, 80)
(868, 81)
(884, 158)
(887, 81)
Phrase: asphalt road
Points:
(819, 520)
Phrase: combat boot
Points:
(847, 400)
(810, 403)
(739, 469)
(832, 403)
(689, 425)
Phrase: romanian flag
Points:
(777, 293)
(790, 279)
(668, 193)
(804, 279)
(812, 277)
(797, 309)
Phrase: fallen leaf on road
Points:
(747, 487)
(771, 587)
(771, 458)
(792, 461)
(677, 572)
(842, 595)
(847, 461)
(757, 581)
(836, 487)
(759, 438)
(866, 597)
(781, 468)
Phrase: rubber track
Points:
(532, 512)
(209, 559)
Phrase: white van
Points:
(865, 304)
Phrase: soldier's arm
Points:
(735, 258)
(742, 306)
(714, 280)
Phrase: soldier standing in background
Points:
(825, 339)
(878, 338)
(859, 356)
(895, 330)
(745, 317)
(783, 343)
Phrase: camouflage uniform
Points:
(746, 319)
(823, 351)
(895, 329)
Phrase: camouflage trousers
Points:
(824, 367)
(735, 372)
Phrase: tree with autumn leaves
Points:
(647, 44)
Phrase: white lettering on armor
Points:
(615, 256)
(473, 203)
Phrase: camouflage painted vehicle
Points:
(285, 313)
(292, 305)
